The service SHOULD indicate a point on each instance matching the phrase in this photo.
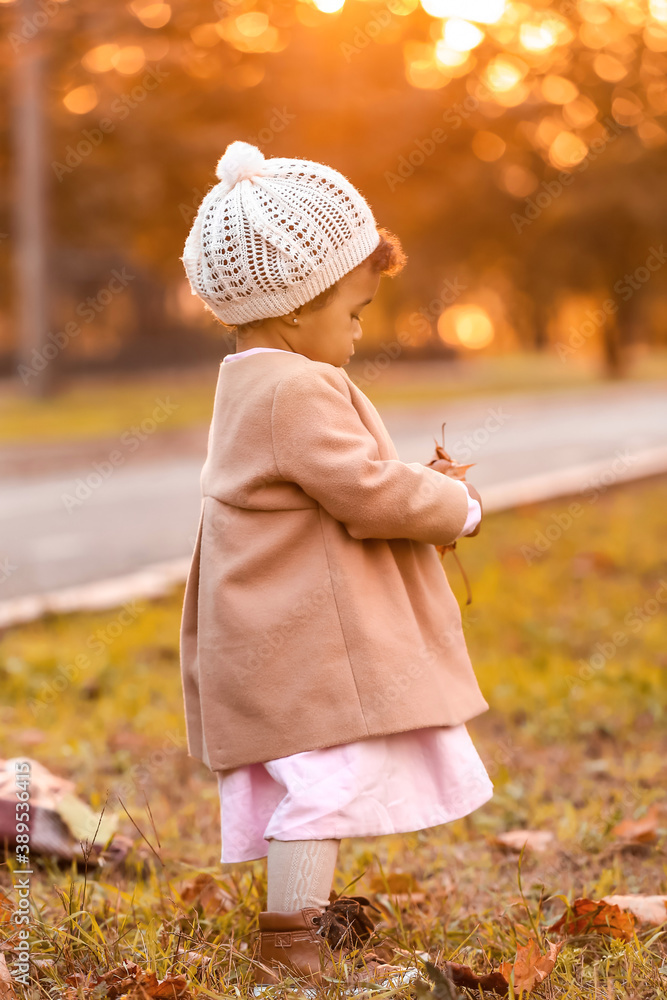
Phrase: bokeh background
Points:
(518, 149)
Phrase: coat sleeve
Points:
(321, 443)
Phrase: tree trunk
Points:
(36, 354)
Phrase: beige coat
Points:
(316, 609)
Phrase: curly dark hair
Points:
(388, 259)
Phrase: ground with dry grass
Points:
(567, 635)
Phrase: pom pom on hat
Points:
(261, 250)
(240, 162)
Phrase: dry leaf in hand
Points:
(647, 909)
(534, 840)
(639, 831)
(593, 916)
(443, 462)
(7, 991)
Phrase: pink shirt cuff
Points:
(474, 512)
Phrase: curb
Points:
(158, 579)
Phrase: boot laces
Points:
(344, 922)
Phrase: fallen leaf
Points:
(204, 889)
(404, 900)
(30, 737)
(397, 889)
(58, 819)
(592, 916)
(462, 975)
(647, 909)
(585, 563)
(6, 908)
(80, 984)
(394, 883)
(196, 958)
(7, 991)
(444, 988)
(83, 822)
(639, 831)
(531, 967)
(170, 988)
(131, 982)
(534, 840)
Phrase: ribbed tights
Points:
(300, 873)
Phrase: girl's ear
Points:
(291, 318)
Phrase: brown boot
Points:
(289, 945)
(308, 941)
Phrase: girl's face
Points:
(329, 334)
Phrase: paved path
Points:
(145, 512)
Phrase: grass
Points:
(107, 406)
(571, 748)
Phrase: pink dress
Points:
(382, 785)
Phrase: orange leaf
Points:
(6, 908)
(204, 889)
(170, 988)
(7, 991)
(639, 831)
(130, 981)
(462, 975)
(534, 840)
(647, 909)
(591, 916)
(531, 967)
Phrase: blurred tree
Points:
(517, 149)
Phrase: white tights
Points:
(300, 873)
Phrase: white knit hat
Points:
(273, 234)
